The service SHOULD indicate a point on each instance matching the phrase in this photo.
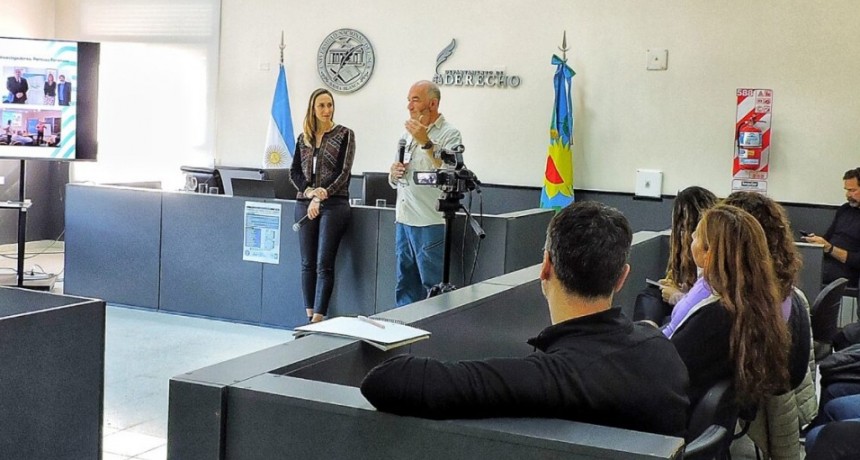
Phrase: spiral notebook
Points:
(378, 332)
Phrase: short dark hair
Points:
(852, 174)
(588, 244)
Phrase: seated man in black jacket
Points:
(842, 240)
(592, 365)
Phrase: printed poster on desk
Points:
(262, 235)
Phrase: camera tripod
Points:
(449, 204)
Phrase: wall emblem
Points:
(345, 60)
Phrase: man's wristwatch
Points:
(428, 145)
(829, 251)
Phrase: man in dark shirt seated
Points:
(842, 240)
(592, 365)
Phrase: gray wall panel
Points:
(52, 385)
(809, 279)
(293, 431)
(809, 218)
(113, 241)
(196, 412)
(491, 255)
(644, 262)
(385, 262)
(281, 296)
(495, 324)
(643, 214)
(202, 271)
(525, 239)
(500, 199)
(355, 270)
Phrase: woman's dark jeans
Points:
(318, 242)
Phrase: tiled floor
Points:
(143, 350)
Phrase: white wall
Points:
(680, 121)
(33, 19)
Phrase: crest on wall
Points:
(345, 60)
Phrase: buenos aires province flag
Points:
(280, 141)
(558, 176)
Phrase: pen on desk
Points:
(371, 321)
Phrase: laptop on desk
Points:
(253, 188)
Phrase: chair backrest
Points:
(853, 291)
(710, 445)
(799, 327)
(825, 311)
(717, 407)
(376, 187)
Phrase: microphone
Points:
(401, 150)
(302, 221)
(298, 225)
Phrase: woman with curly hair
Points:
(776, 427)
(682, 275)
(737, 331)
(780, 240)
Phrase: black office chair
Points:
(712, 423)
(376, 187)
(708, 445)
(853, 291)
(825, 317)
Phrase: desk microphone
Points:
(302, 221)
(401, 150)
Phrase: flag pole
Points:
(564, 49)
(282, 47)
(280, 141)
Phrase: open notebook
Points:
(380, 333)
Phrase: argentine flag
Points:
(280, 141)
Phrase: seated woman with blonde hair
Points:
(737, 332)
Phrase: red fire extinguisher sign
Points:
(752, 139)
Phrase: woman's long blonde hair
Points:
(739, 268)
(310, 125)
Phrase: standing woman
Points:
(50, 90)
(321, 171)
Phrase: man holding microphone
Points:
(419, 227)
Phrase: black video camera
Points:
(453, 179)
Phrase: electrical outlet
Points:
(2, 180)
